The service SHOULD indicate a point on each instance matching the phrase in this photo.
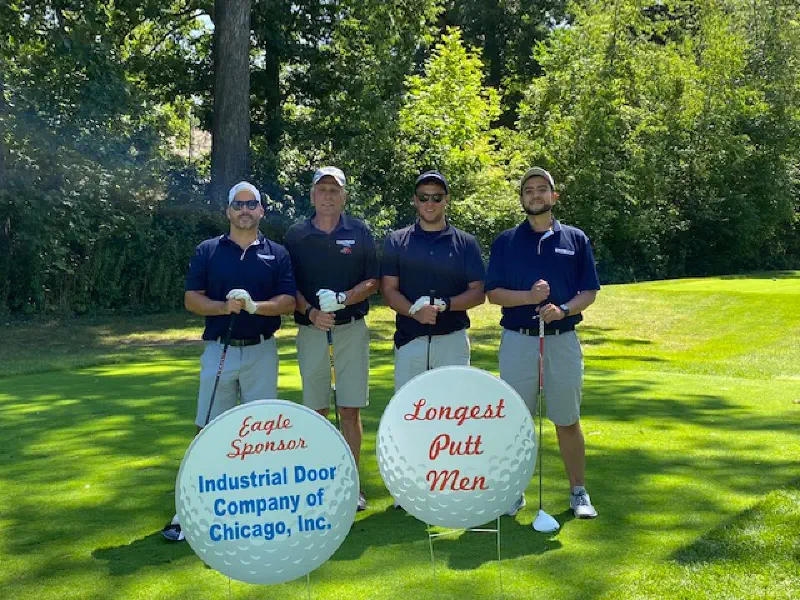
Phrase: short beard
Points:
(539, 211)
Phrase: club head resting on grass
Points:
(544, 523)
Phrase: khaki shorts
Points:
(563, 372)
(250, 373)
(351, 360)
(411, 359)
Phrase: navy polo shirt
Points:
(562, 257)
(335, 261)
(445, 261)
(263, 269)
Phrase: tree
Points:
(230, 150)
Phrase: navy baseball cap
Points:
(432, 176)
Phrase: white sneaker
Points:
(518, 506)
(172, 531)
(581, 504)
(397, 505)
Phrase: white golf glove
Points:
(244, 296)
(440, 304)
(421, 301)
(330, 301)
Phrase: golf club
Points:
(221, 365)
(543, 523)
(430, 336)
(333, 378)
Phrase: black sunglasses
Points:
(240, 204)
(430, 197)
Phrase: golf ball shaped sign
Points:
(267, 492)
(456, 447)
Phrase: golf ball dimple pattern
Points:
(507, 462)
(285, 557)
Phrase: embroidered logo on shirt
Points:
(346, 250)
(565, 251)
(346, 242)
(266, 256)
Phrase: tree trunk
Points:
(230, 123)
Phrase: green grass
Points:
(691, 414)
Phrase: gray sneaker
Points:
(581, 504)
(518, 506)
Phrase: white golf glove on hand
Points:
(330, 301)
(421, 301)
(244, 296)
(440, 304)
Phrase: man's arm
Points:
(471, 298)
(390, 289)
(282, 304)
(580, 302)
(198, 303)
(361, 291)
(509, 298)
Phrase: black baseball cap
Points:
(432, 176)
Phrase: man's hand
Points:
(550, 313)
(440, 304)
(244, 297)
(330, 301)
(426, 315)
(321, 320)
(539, 292)
(232, 306)
(420, 302)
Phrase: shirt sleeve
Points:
(371, 267)
(474, 262)
(285, 279)
(389, 264)
(587, 274)
(196, 278)
(495, 274)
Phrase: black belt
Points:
(243, 342)
(347, 320)
(547, 330)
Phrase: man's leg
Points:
(409, 361)
(258, 377)
(573, 452)
(351, 361)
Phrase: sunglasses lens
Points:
(431, 197)
(239, 204)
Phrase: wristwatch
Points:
(565, 308)
(308, 312)
(446, 302)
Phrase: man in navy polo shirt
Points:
(432, 273)
(337, 270)
(542, 269)
(239, 270)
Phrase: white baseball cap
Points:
(243, 186)
(334, 172)
(537, 172)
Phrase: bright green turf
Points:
(691, 415)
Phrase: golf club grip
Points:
(221, 365)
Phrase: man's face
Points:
(328, 197)
(430, 201)
(241, 215)
(537, 196)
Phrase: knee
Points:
(350, 415)
(569, 430)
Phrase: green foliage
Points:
(669, 142)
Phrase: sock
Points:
(578, 489)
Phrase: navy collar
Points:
(448, 230)
(526, 226)
(345, 222)
(260, 239)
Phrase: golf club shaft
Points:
(540, 401)
(430, 337)
(221, 365)
(333, 378)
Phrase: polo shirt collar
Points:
(345, 222)
(526, 226)
(449, 230)
(260, 239)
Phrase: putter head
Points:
(544, 523)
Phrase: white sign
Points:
(456, 447)
(267, 492)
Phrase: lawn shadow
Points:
(149, 551)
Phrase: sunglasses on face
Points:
(430, 198)
(240, 204)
